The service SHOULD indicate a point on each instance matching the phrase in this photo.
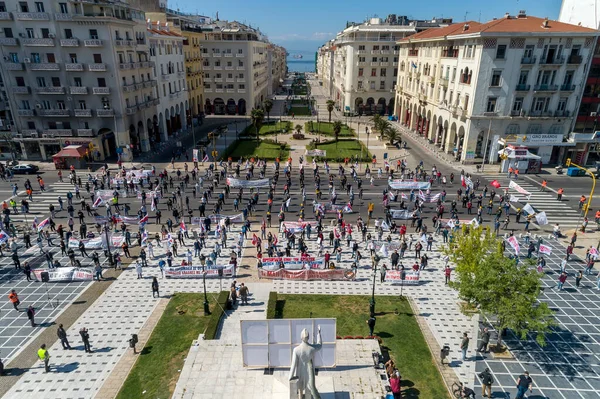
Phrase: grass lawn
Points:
(344, 149)
(268, 128)
(263, 150)
(400, 333)
(156, 369)
(299, 102)
(300, 111)
(300, 91)
(326, 128)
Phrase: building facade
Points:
(79, 73)
(359, 67)
(276, 68)
(473, 88)
(237, 73)
(166, 51)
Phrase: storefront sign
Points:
(540, 139)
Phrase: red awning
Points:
(71, 151)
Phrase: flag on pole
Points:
(403, 196)
(348, 207)
(205, 159)
(513, 198)
(3, 236)
(182, 226)
(143, 220)
(43, 224)
(195, 155)
(384, 251)
(594, 252)
(529, 209)
(544, 249)
(514, 243)
(144, 237)
(97, 202)
(541, 218)
(463, 181)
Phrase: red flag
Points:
(144, 220)
(495, 183)
(462, 181)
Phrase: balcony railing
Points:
(25, 112)
(563, 113)
(54, 112)
(37, 42)
(50, 90)
(545, 88)
(8, 41)
(100, 90)
(230, 90)
(13, 66)
(20, 89)
(86, 133)
(72, 67)
(97, 67)
(121, 42)
(523, 87)
(132, 109)
(567, 87)
(5, 16)
(226, 55)
(39, 66)
(58, 132)
(541, 114)
(241, 90)
(574, 59)
(444, 82)
(69, 42)
(32, 16)
(240, 68)
(553, 61)
(83, 113)
(92, 43)
(105, 113)
(129, 88)
(29, 132)
(63, 17)
(216, 55)
(528, 60)
(78, 90)
(238, 55)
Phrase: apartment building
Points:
(237, 73)
(277, 68)
(79, 73)
(166, 51)
(360, 66)
(586, 150)
(473, 88)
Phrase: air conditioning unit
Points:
(6, 58)
(593, 113)
(46, 136)
(51, 35)
(22, 35)
(27, 60)
(34, 135)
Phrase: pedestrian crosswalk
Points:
(39, 206)
(561, 212)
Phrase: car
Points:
(24, 169)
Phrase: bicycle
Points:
(458, 391)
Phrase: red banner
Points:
(332, 274)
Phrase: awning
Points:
(71, 151)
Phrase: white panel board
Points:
(255, 332)
(280, 332)
(280, 355)
(326, 356)
(297, 326)
(328, 330)
(255, 355)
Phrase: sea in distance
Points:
(304, 64)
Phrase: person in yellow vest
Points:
(44, 356)
(371, 208)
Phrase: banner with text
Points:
(65, 274)
(306, 275)
(297, 227)
(395, 276)
(293, 263)
(238, 183)
(409, 185)
(316, 153)
(520, 189)
(196, 271)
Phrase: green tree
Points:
(337, 128)
(378, 123)
(298, 128)
(390, 133)
(268, 104)
(330, 105)
(500, 288)
(258, 116)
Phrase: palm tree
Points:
(337, 128)
(258, 116)
(268, 104)
(391, 134)
(298, 128)
(378, 122)
(330, 105)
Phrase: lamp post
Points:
(486, 145)
(110, 257)
(236, 130)
(214, 151)
(368, 134)
(206, 309)
(372, 301)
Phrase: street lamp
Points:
(368, 134)
(372, 301)
(110, 257)
(206, 309)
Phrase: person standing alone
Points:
(155, 287)
(464, 346)
(85, 337)
(62, 335)
(44, 356)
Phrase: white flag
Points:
(544, 249)
(529, 209)
(383, 251)
(514, 243)
(541, 218)
(385, 226)
(451, 223)
(514, 198)
(474, 222)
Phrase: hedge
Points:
(215, 317)
(272, 305)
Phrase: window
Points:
(60, 104)
(35, 58)
(68, 34)
(382, 85)
(25, 104)
(528, 53)
(63, 8)
(39, 6)
(360, 84)
(501, 51)
(373, 59)
(30, 34)
(453, 74)
(41, 81)
(491, 104)
(242, 87)
(382, 72)
(73, 58)
(77, 82)
(360, 71)
(540, 104)
(93, 34)
(23, 7)
(568, 78)
(373, 72)
(55, 82)
(2, 6)
(361, 47)
(241, 76)
(240, 51)
(50, 58)
(466, 106)
(98, 58)
(20, 81)
(523, 77)
(102, 82)
(469, 51)
(517, 105)
(372, 85)
(496, 78)
(8, 32)
(375, 48)
(14, 57)
(395, 72)
(562, 104)
(45, 33)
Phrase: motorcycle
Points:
(559, 170)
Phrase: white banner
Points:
(409, 185)
(514, 243)
(514, 198)
(67, 274)
(400, 214)
(541, 218)
(195, 155)
(316, 153)
(430, 198)
(520, 189)
(544, 249)
(293, 263)
(237, 183)
(88, 243)
(297, 227)
(197, 271)
(395, 276)
(529, 209)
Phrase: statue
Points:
(302, 365)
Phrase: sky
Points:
(304, 26)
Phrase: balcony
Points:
(8, 41)
(92, 43)
(38, 42)
(149, 83)
(180, 74)
(444, 82)
(227, 55)
(229, 68)
(129, 88)
(218, 90)
(229, 80)
(29, 132)
(567, 87)
(44, 67)
(78, 90)
(241, 80)
(523, 87)
(545, 88)
(100, 90)
(165, 76)
(105, 113)
(238, 55)
(208, 90)
(554, 61)
(5, 16)
(97, 67)
(230, 90)
(241, 91)
(528, 60)
(86, 133)
(563, 113)
(13, 66)
(54, 113)
(57, 133)
(20, 89)
(540, 114)
(176, 94)
(69, 42)
(25, 112)
(240, 68)
(63, 17)
(32, 16)
(124, 43)
(218, 67)
(218, 80)
(216, 55)
(147, 64)
(126, 66)
(132, 109)
(71, 67)
(574, 59)
(83, 113)
(50, 90)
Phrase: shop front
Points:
(71, 155)
(519, 157)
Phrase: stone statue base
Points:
(295, 392)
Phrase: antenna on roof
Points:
(466, 13)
